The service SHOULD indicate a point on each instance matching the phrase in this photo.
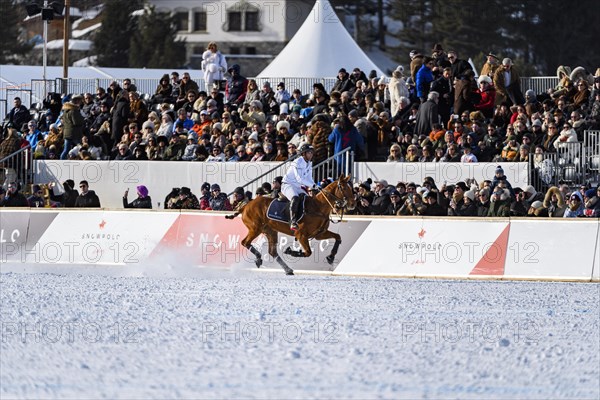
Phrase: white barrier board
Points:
(428, 247)
(550, 248)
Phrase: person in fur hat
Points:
(567, 135)
(499, 203)
(574, 205)
(554, 202)
(487, 96)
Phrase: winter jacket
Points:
(140, 202)
(73, 122)
(500, 208)
(424, 79)
(68, 198)
(220, 203)
(87, 200)
(17, 199)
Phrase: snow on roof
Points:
(77, 45)
(79, 33)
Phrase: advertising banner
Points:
(99, 237)
(560, 247)
(210, 239)
(429, 247)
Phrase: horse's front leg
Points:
(338, 240)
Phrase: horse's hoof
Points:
(330, 258)
(258, 262)
(289, 272)
(288, 250)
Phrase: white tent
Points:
(320, 48)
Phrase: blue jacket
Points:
(424, 79)
(342, 140)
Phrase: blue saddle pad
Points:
(279, 210)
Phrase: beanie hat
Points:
(537, 204)
(142, 191)
(470, 195)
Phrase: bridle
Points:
(339, 203)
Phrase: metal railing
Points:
(335, 165)
(539, 84)
(591, 150)
(3, 109)
(34, 91)
(340, 163)
(576, 163)
(17, 167)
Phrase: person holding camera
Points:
(142, 201)
(13, 198)
(68, 197)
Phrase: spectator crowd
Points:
(435, 110)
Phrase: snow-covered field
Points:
(243, 334)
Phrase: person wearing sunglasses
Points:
(12, 197)
(87, 198)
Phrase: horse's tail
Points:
(238, 212)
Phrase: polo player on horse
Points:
(297, 180)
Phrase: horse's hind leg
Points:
(306, 252)
(338, 240)
(247, 243)
(272, 237)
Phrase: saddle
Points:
(279, 209)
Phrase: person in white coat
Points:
(297, 180)
(214, 65)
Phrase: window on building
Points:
(250, 50)
(181, 20)
(252, 21)
(200, 21)
(234, 50)
(234, 21)
(243, 17)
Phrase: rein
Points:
(340, 202)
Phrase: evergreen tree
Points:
(12, 47)
(538, 36)
(113, 38)
(153, 45)
(415, 16)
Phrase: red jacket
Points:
(486, 105)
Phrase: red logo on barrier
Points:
(204, 239)
(102, 224)
(422, 233)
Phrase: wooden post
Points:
(66, 35)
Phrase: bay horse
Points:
(337, 196)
